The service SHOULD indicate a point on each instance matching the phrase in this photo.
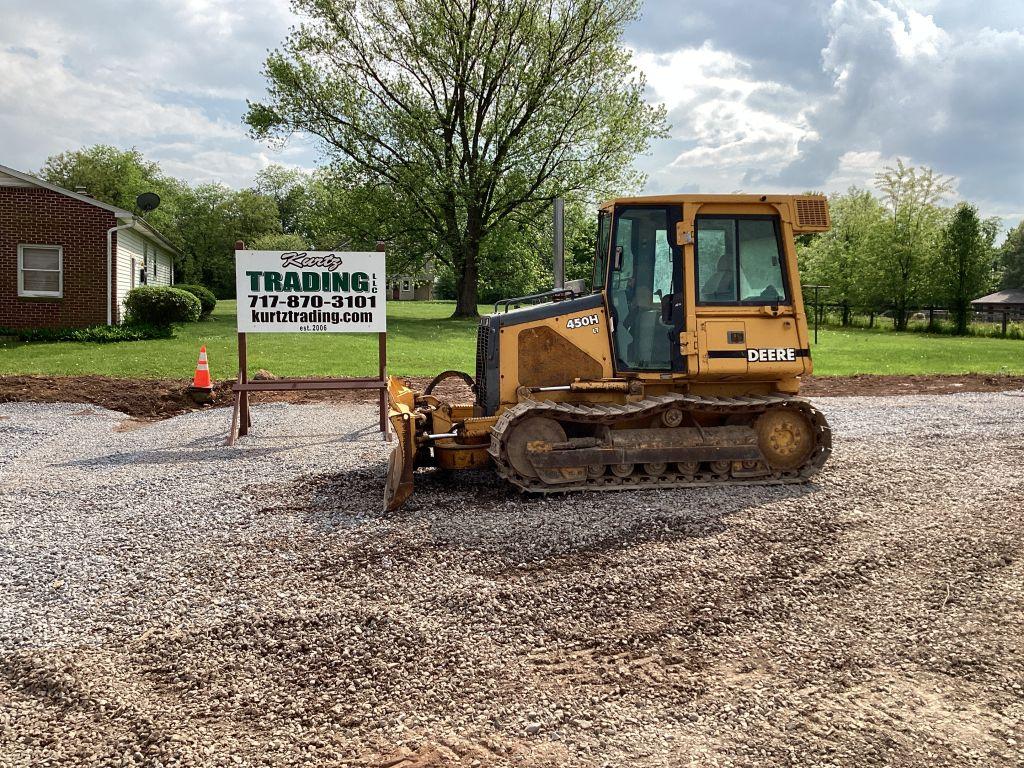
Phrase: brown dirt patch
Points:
(163, 398)
(872, 385)
(144, 398)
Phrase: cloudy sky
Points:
(761, 96)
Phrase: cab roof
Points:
(808, 213)
(738, 199)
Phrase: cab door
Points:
(645, 288)
(746, 321)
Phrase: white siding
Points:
(158, 262)
(129, 246)
(145, 252)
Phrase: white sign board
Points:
(310, 291)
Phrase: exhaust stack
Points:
(559, 261)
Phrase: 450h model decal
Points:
(583, 322)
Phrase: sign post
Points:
(308, 292)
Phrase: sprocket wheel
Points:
(785, 437)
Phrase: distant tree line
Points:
(898, 249)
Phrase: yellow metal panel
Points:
(577, 328)
(776, 336)
(716, 344)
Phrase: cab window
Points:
(739, 261)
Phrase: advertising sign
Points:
(310, 291)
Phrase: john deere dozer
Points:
(680, 368)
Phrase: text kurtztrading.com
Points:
(315, 316)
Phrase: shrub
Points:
(101, 334)
(204, 294)
(161, 305)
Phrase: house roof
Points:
(139, 224)
(1009, 296)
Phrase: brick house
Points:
(55, 267)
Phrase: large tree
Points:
(472, 113)
(964, 264)
(846, 258)
(288, 188)
(117, 177)
(911, 196)
(517, 259)
(1011, 258)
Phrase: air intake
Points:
(811, 214)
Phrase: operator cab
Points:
(664, 262)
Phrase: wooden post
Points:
(1006, 321)
(245, 418)
(382, 358)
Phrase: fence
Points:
(922, 317)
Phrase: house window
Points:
(406, 285)
(40, 270)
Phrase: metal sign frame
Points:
(241, 415)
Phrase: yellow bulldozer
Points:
(681, 367)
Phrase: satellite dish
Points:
(147, 201)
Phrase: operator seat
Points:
(721, 286)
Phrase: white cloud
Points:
(728, 119)
(168, 77)
(934, 82)
(759, 97)
(67, 103)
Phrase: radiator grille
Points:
(812, 213)
(483, 336)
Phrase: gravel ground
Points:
(168, 601)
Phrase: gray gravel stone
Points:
(168, 600)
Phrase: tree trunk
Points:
(900, 317)
(960, 316)
(466, 281)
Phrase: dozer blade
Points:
(398, 486)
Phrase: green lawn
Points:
(422, 341)
(842, 352)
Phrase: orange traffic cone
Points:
(202, 386)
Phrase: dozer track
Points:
(702, 456)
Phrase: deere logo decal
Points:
(771, 355)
